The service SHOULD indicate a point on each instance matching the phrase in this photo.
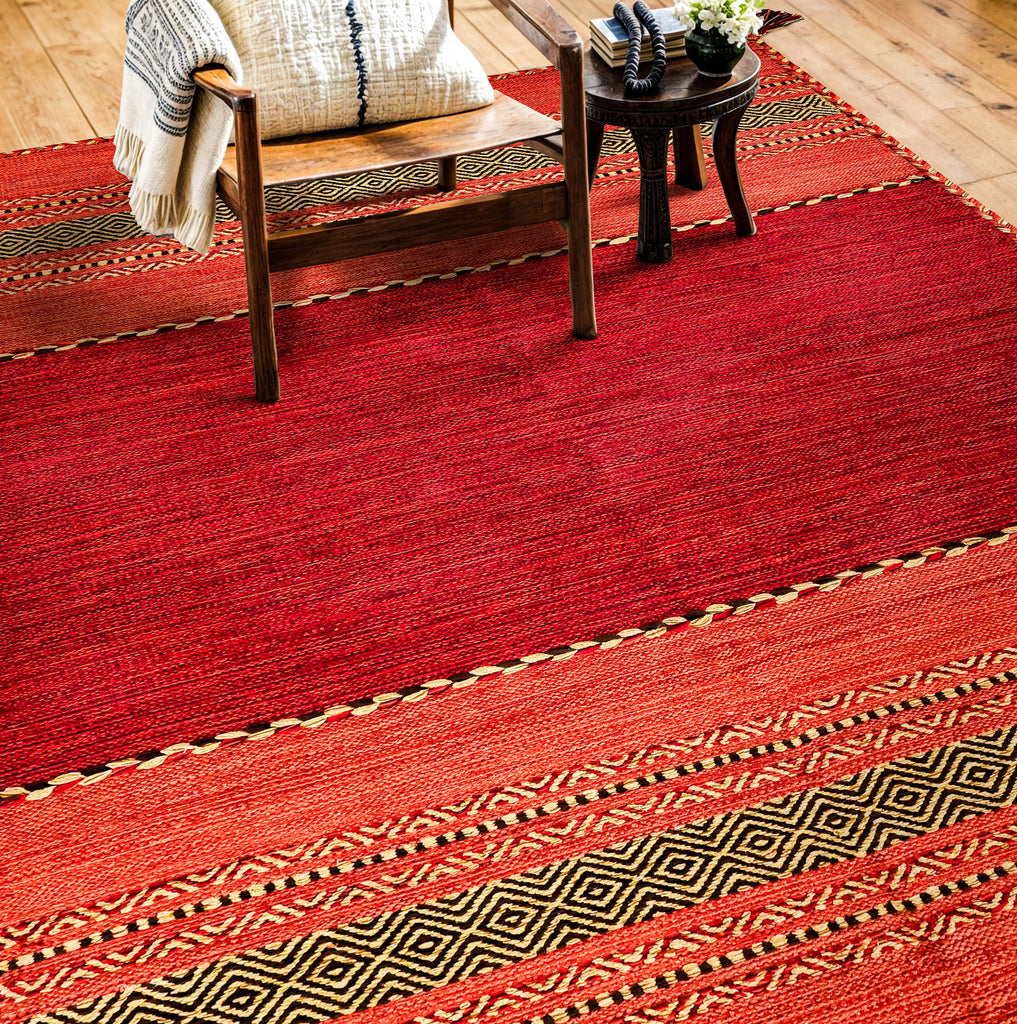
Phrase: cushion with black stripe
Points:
(326, 64)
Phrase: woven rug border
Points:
(926, 173)
(711, 615)
(7, 357)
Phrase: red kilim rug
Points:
(496, 676)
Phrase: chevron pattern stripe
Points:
(939, 923)
(459, 862)
(608, 971)
(323, 850)
(61, 234)
(370, 962)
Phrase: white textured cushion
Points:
(324, 64)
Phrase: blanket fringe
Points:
(160, 213)
(128, 148)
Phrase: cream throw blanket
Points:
(171, 136)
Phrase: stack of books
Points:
(611, 44)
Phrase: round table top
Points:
(682, 89)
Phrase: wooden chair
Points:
(252, 165)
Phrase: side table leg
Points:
(724, 135)
(654, 242)
(594, 140)
(689, 165)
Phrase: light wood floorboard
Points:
(940, 75)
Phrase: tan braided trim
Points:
(110, 268)
(54, 146)
(410, 695)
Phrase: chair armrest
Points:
(216, 80)
(542, 25)
(559, 42)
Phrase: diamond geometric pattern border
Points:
(373, 961)
(678, 1010)
(606, 973)
(110, 227)
(280, 983)
(31, 940)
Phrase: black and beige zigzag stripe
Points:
(73, 233)
(895, 880)
(696, 935)
(776, 943)
(59, 235)
(322, 851)
(777, 972)
(372, 961)
(809, 106)
(62, 234)
(457, 863)
(493, 163)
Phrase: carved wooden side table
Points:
(685, 100)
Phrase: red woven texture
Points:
(440, 489)
(452, 480)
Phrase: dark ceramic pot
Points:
(712, 54)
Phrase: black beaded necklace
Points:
(634, 85)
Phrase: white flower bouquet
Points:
(733, 19)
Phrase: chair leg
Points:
(584, 313)
(447, 178)
(259, 303)
(259, 284)
(594, 142)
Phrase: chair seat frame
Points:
(241, 184)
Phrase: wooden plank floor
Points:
(940, 75)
